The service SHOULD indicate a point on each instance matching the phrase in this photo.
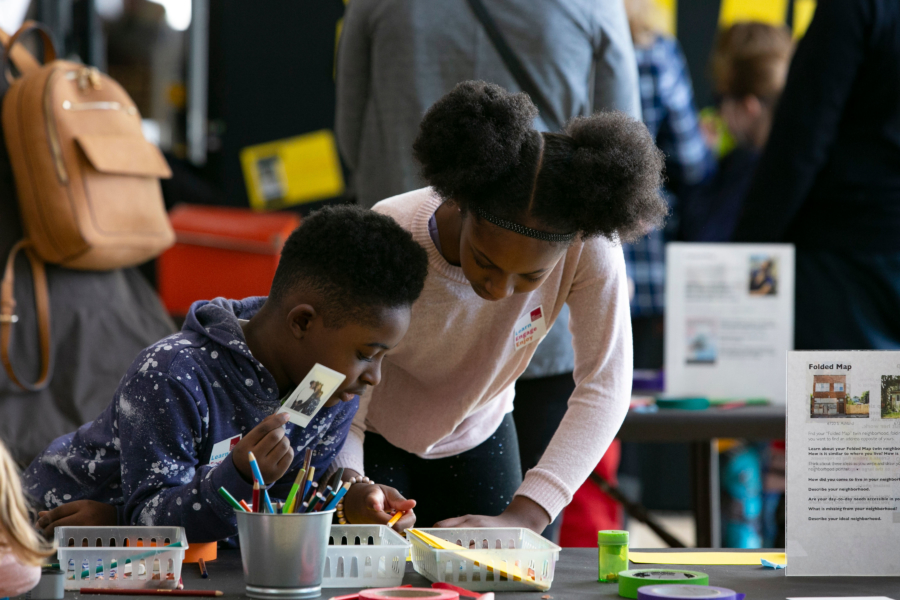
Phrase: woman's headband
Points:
(521, 229)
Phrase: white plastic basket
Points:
(102, 562)
(365, 556)
(496, 550)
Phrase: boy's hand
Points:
(270, 445)
(371, 503)
(81, 513)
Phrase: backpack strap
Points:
(18, 55)
(8, 315)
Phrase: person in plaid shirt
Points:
(667, 103)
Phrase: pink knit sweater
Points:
(448, 385)
(16, 578)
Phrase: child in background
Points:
(21, 550)
(749, 67)
(192, 406)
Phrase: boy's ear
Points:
(301, 319)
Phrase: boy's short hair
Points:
(751, 59)
(358, 260)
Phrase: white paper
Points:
(729, 319)
(311, 395)
(843, 463)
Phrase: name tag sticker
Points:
(222, 449)
(530, 328)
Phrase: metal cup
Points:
(284, 555)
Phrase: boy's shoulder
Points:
(175, 353)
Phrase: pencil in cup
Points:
(257, 505)
(295, 489)
(337, 497)
(310, 474)
(230, 499)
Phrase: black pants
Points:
(480, 481)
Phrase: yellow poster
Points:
(773, 12)
(668, 15)
(803, 14)
(292, 171)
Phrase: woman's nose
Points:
(498, 287)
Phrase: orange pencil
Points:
(395, 518)
(246, 506)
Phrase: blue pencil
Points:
(268, 502)
(338, 496)
(254, 466)
(309, 479)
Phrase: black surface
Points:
(576, 577)
(673, 425)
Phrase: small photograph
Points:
(763, 275)
(311, 395)
(831, 398)
(890, 396)
(702, 342)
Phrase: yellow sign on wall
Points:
(668, 10)
(803, 14)
(773, 12)
(292, 171)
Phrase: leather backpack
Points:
(87, 180)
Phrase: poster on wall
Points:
(729, 319)
(843, 463)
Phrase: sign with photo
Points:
(729, 319)
(311, 395)
(843, 462)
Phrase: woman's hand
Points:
(521, 512)
(373, 503)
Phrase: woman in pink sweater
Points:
(516, 224)
(21, 550)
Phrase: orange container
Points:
(220, 251)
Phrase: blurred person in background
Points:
(667, 103)
(396, 59)
(829, 178)
(749, 67)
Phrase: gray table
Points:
(700, 429)
(576, 577)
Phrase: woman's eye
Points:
(532, 279)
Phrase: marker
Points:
(202, 564)
(230, 499)
(257, 505)
(303, 507)
(338, 496)
(310, 475)
(295, 489)
(395, 518)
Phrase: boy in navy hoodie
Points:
(192, 406)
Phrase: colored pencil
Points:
(334, 482)
(303, 508)
(315, 502)
(202, 564)
(310, 475)
(245, 506)
(257, 505)
(254, 466)
(295, 489)
(230, 499)
(150, 592)
(312, 493)
(395, 518)
(337, 497)
(307, 459)
(268, 501)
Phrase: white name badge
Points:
(222, 449)
(530, 328)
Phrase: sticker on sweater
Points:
(311, 395)
(530, 328)
(222, 449)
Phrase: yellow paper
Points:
(772, 12)
(706, 558)
(292, 171)
(667, 15)
(803, 14)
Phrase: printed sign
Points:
(311, 395)
(530, 328)
(222, 449)
(843, 463)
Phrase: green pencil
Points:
(230, 499)
(288, 504)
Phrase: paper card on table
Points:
(729, 319)
(843, 462)
(311, 395)
(704, 558)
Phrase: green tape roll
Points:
(630, 581)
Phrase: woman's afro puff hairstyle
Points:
(477, 146)
(475, 137)
(602, 176)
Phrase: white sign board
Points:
(843, 463)
(729, 319)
